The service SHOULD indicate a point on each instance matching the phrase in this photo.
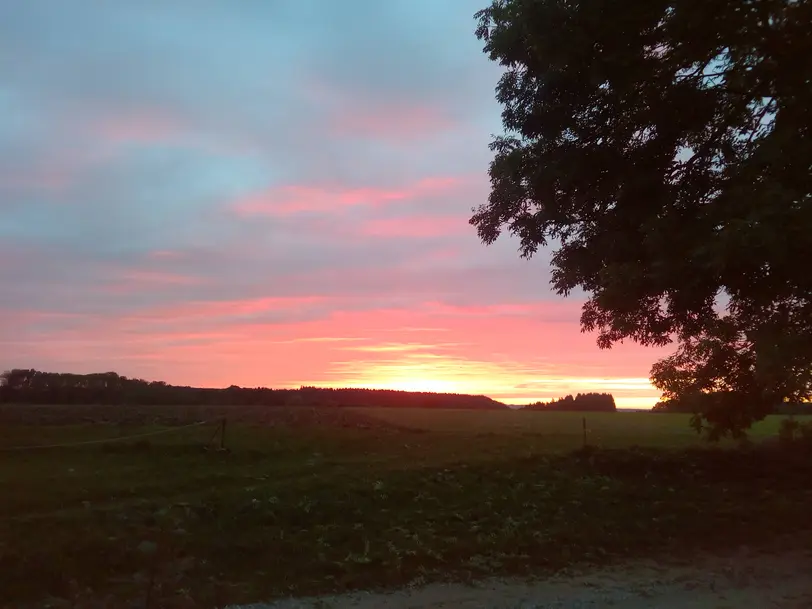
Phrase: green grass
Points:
(393, 498)
(621, 429)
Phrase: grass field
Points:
(319, 500)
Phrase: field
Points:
(314, 500)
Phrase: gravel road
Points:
(743, 580)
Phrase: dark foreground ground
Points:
(775, 578)
(323, 501)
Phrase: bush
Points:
(793, 432)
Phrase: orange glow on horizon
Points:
(516, 353)
(416, 384)
(414, 370)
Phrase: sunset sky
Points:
(270, 193)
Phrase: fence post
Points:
(584, 426)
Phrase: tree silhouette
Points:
(24, 386)
(582, 402)
(664, 148)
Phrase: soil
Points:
(745, 580)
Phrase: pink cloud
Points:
(16, 317)
(228, 308)
(293, 199)
(157, 277)
(445, 253)
(545, 309)
(141, 126)
(414, 226)
(60, 168)
(164, 255)
(390, 122)
(349, 114)
(138, 280)
(53, 172)
(46, 178)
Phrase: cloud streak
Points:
(296, 199)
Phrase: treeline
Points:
(582, 402)
(22, 386)
(694, 404)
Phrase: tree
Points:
(663, 147)
(582, 402)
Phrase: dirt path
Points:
(744, 580)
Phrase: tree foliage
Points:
(582, 402)
(664, 148)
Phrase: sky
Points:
(271, 193)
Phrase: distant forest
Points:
(22, 386)
(583, 402)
